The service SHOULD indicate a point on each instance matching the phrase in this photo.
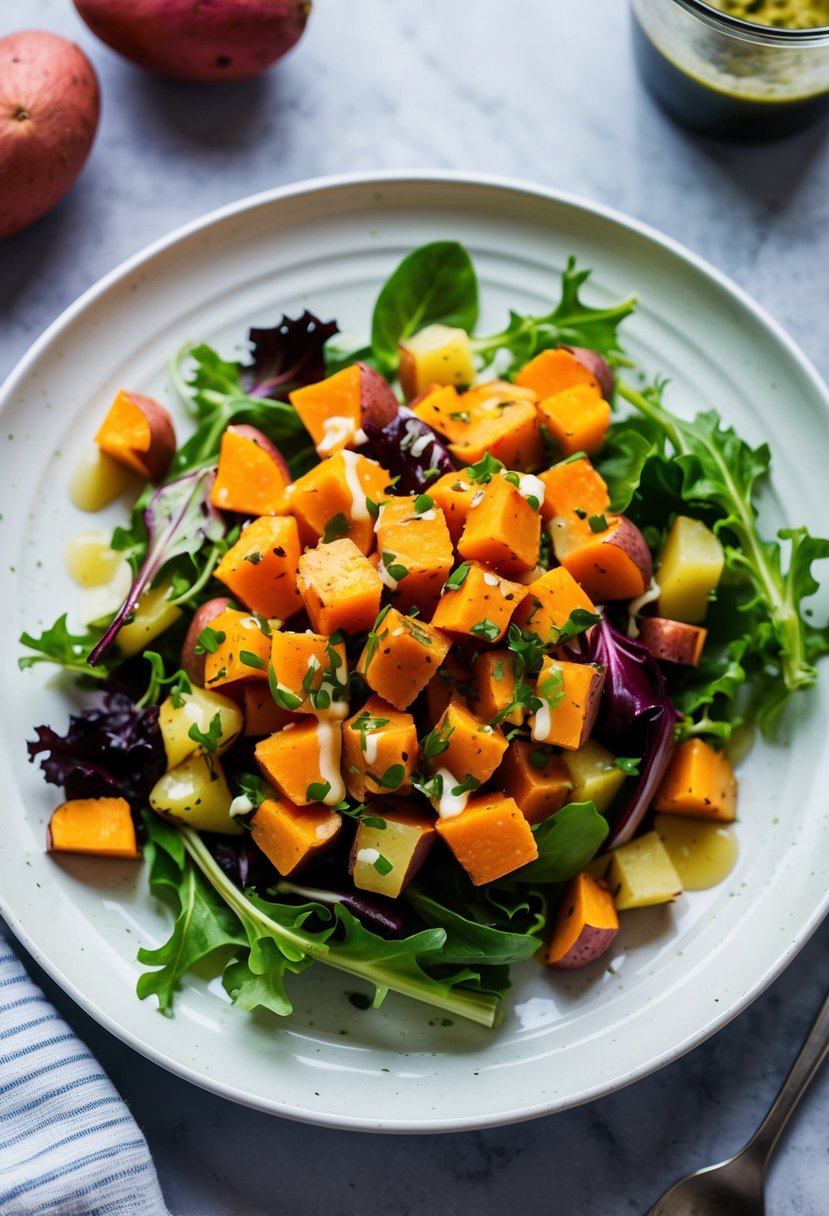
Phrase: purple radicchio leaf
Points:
(409, 448)
(114, 748)
(287, 356)
(179, 519)
(635, 713)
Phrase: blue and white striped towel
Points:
(68, 1144)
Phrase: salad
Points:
(422, 690)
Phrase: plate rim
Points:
(401, 178)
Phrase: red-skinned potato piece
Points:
(613, 563)
(252, 475)
(227, 40)
(598, 367)
(138, 432)
(673, 641)
(378, 403)
(586, 925)
(49, 109)
(192, 663)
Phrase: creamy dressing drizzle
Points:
(491, 580)
(636, 606)
(372, 738)
(542, 723)
(385, 578)
(530, 486)
(241, 805)
(449, 804)
(335, 430)
(420, 445)
(368, 856)
(359, 505)
(328, 736)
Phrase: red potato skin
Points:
(598, 367)
(672, 641)
(588, 946)
(198, 40)
(159, 457)
(378, 403)
(192, 663)
(262, 441)
(49, 110)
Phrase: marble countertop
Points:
(449, 85)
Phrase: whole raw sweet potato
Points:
(49, 107)
(222, 40)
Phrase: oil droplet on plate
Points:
(703, 853)
(89, 559)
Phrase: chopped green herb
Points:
(457, 578)
(395, 569)
(254, 558)
(486, 629)
(466, 786)
(252, 660)
(383, 866)
(366, 724)
(540, 758)
(437, 740)
(391, 779)
(629, 765)
(423, 503)
(598, 523)
(282, 696)
(337, 527)
(318, 791)
(209, 641)
(208, 739)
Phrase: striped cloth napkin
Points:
(68, 1144)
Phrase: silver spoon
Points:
(735, 1187)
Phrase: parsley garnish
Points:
(252, 660)
(337, 527)
(209, 641)
(486, 629)
(208, 739)
(395, 569)
(423, 503)
(254, 558)
(437, 740)
(318, 791)
(598, 523)
(629, 765)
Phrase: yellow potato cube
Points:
(438, 354)
(690, 566)
(594, 774)
(641, 873)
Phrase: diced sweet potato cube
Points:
(242, 652)
(102, 827)
(699, 782)
(380, 750)
(290, 836)
(613, 563)
(440, 408)
(450, 682)
(510, 431)
(576, 419)
(477, 603)
(549, 603)
(535, 777)
(262, 714)
(490, 837)
(311, 673)
(502, 529)
(303, 761)
(493, 686)
(473, 749)
(570, 694)
(420, 544)
(453, 494)
(249, 479)
(386, 859)
(139, 434)
(586, 925)
(400, 657)
(571, 486)
(552, 371)
(339, 587)
(330, 409)
(330, 500)
(260, 569)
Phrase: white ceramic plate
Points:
(677, 974)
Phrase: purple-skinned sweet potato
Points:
(223, 40)
(586, 925)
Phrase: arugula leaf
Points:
(434, 284)
(567, 842)
(712, 469)
(570, 323)
(204, 923)
(179, 519)
(468, 941)
(66, 649)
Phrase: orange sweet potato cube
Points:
(453, 494)
(243, 649)
(338, 397)
(473, 748)
(311, 673)
(302, 761)
(451, 682)
(549, 603)
(576, 419)
(417, 543)
(340, 588)
(332, 499)
(570, 695)
(552, 371)
(440, 408)
(492, 686)
(586, 925)
(101, 827)
(536, 777)
(380, 750)
(490, 837)
(248, 479)
(289, 835)
(400, 657)
(502, 529)
(262, 714)
(509, 430)
(699, 782)
(477, 603)
(260, 569)
(573, 486)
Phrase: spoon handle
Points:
(800, 1075)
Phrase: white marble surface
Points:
(552, 97)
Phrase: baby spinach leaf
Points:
(468, 941)
(567, 842)
(434, 284)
